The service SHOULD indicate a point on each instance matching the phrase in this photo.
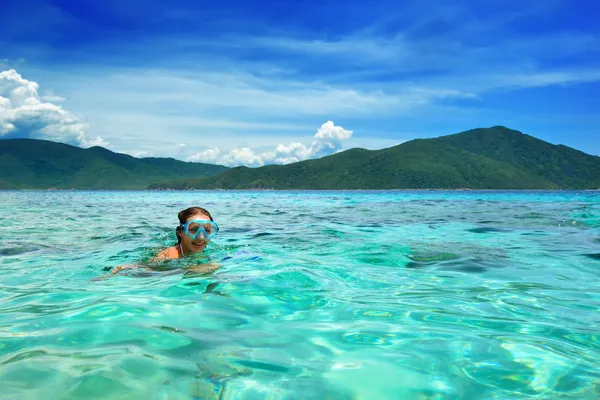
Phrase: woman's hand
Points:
(114, 271)
(202, 268)
(123, 267)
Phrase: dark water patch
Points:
(333, 232)
(426, 202)
(397, 222)
(593, 256)
(195, 283)
(535, 233)
(261, 234)
(374, 259)
(169, 329)
(533, 215)
(432, 224)
(525, 286)
(434, 221)
(142, 225)
(476, 269)
(486, 230)
(425, 262)
(276, 212)
(485, 222)
(26, 355)
(432, 257)
(245, 214)
(472, 266)
(14, 251)
(264, 366)
(98, 237)
(417, 264)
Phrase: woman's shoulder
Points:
(168, 253)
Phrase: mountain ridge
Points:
(43, 164)
(481, 158)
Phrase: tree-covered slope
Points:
(558, 164)
(493, 158)
(40, 164)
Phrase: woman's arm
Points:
(167, 254)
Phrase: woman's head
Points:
(188, 243)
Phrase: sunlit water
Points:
(320, 295)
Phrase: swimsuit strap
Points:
(181, 249)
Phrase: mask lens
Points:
(210, 229)
(193, 228)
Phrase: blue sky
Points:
(257, 82)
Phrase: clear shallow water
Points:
(333, 295)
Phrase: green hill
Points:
(558, 164)
(41, 164)
(492, 158)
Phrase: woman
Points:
(196, 228)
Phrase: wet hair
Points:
(184, 215)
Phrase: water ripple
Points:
(320, 295)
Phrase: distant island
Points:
(484, 158)
(41, 164)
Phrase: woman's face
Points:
(197, 245)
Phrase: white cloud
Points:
(242, 156)
(207, 156)
(285, 154)
(138, 153)
(52, 98)
(208, 94)
(329, 139)
(26, 114)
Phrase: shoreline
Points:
(301, 190)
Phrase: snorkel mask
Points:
(195, 227)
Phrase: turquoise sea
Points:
(320, 295)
